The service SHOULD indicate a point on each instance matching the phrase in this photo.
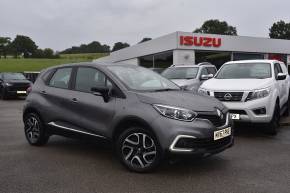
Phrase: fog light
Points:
(185, 143)
(260, 111)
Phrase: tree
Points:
(48, 53)
(119, 46)
(145, 40)
(4, 46)
(93, 47)
(216, 27)
(280, 30)
(23, 45)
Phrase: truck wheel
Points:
(287, 113)
(275, 122)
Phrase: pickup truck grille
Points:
(229, 96)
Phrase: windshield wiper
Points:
(164, 89)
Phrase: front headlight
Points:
(8, 84)
(175, 112)
(259, 94)
(203, 91)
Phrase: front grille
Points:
(214, 119)
(208, 144)
(19, 87)
(229, 96)
(241, 112)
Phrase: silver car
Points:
(190, 77)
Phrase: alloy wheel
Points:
(139, 150)
(32, 129)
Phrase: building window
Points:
(215, 58)
(163, 60)
(279, 57)
(146, 61)
(159, 60)
(247, 56)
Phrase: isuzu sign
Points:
(200, 41)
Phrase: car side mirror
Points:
(102, 91)
(281, 76)
(206, 77)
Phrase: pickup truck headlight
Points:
(258, 94)
(175, 112)
(203, 91)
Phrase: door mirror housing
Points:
(102, 91)
(281, 76)
(206, 77)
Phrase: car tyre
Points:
(275, 122)
(35, 131)
(138, 150)
(287, 111)
(3, 94)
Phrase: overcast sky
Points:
(60, 24)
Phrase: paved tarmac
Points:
(257, 163)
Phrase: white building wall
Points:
(183, 57)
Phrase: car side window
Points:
(60, 78)
(87, 78)
(211, 70)
(204, 72)
(277, 69)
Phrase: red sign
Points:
(200, 41)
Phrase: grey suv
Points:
(144, 115)
(190, 77)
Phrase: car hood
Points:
(182, 99)
(184, 82)
(236, 84)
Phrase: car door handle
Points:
(75, 100)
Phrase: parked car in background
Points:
(13, 84)
(190, 77)
(142, 113)
(255, 91)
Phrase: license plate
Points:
(21, 92)
(222, 133)
(235, 116)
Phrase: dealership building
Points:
(191, 48)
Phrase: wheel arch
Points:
(128, 121)
(31, 110)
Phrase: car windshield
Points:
(142, 79)
(14, 76)
(180, 73)
(245, 71)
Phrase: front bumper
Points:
(199, 135)
(246, 110)
(16, 91)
